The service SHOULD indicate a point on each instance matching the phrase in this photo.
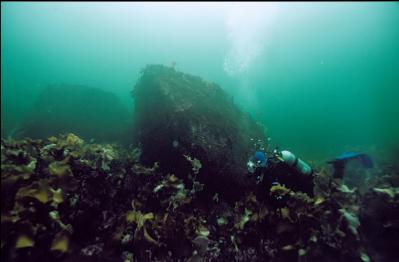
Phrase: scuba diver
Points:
(284, 168)
(281, 167)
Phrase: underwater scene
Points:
(200, 131)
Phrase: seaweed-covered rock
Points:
(87, 111)
(63, 199)
(178, 115)
(379, 216)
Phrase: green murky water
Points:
(322, 77)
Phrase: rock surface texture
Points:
(179, 115)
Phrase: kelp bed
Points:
(66, 200)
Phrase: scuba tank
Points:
(295, 162)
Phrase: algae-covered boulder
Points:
(179, 117)
(87, 111)
(63, 199)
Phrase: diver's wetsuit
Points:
(285, 175)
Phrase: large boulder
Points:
(87, 111)
(179, 117)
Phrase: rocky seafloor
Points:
(64, 199)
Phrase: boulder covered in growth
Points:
(180, 118)
(87, 111)
(64, 199)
